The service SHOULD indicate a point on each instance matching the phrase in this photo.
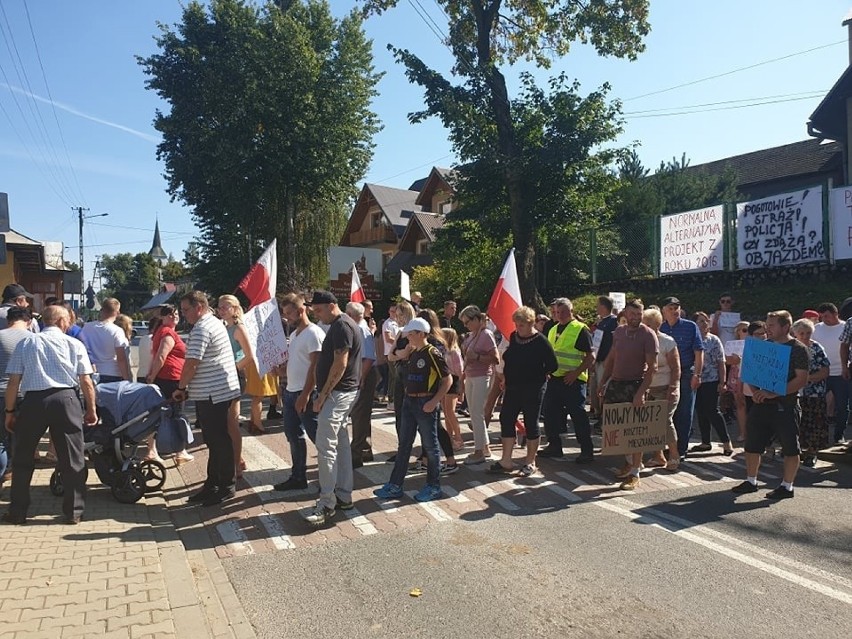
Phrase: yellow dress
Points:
(258, 386)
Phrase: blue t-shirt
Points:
(688, 339)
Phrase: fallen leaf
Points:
(415, 592)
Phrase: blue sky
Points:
(101, 155)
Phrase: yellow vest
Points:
(568, 357)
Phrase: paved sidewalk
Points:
(122, 572)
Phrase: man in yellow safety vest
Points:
(566, 388)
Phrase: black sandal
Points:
(498, 469)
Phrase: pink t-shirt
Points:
(481, 343)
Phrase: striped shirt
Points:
(216, 376)
(50, 359)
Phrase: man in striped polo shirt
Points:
(209, 378)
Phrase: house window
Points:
(445, 207)
(423, 247)
(376, 220)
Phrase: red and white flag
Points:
(356, 291)
(262, 321)
(260, 282)
(506, 298)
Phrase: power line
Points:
(414, 168)
(138, 228)
(803, 95)
(733, 71)
(52, 105)
(722, 108)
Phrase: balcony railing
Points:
(376, 235)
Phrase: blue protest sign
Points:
(765, 365)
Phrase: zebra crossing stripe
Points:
(235, 539)
(275, 532)
(431, 508)
(361, 523)
(488, 493)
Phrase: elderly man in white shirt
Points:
(107, 344)
(51, 370)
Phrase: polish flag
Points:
(356, 291)
(506, 298)
(260, 282)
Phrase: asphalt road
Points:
(685, 562)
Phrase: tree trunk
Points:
(290, 233)
(507, 151)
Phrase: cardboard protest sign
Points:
(780, 230)
(728, 319)
(266, 335)
(692, 241)
(765, 365)
(634, 430)
(619, 300)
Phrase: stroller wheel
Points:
(128, 486)
(56, 487)
(154, 473)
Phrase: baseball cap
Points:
(417, 324)
(670, 300)
(810, 314)
(15, 290)
(322, 297)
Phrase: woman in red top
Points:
(169, 353)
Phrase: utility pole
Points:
(82, 217)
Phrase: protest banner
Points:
(692, 241)
(629, 430)
(840, 209)
(780, 230)
(729, 319)
(619, 300)
(765, 365)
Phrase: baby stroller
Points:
(129, 413)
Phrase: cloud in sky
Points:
(70, 109)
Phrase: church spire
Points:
(157, 251)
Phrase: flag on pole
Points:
(260, 282)
(506, 298)
(262, 321)
(356, 291)
(404, 286)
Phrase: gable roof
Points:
(429, 223)
(437, 176)
(398, 205)
(828, 121)
(809, 157)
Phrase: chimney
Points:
(847, 22)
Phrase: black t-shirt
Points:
(800, 358)
(607, 325)
(343, 333)
(528, 362)
(426, 368)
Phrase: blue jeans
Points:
(415, 420)
(839, 387)
(683, 413)
(296, 426)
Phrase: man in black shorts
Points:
(777, 416)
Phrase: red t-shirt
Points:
(173, 366)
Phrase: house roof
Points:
(437, 176)
(398, 205)
(799, 158)
(429, 223)
(828, 121)
(158, 300)
(13, 237)
(407, 260)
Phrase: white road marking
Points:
(671, 481)
(276, 533)
(360, 522)
(434, 511)
(488, 493)
(234, 538)
(674, 526)
(455, 495)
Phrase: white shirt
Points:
(389, 327)
(146, 342)
(302, 345)
(663, 374)
(829, 338)
(101, 339)
(49, 359)
(216, 376)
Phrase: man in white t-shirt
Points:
(725, 320)
(107, 344)
(390, 331)
(828, 334)
(300, 420)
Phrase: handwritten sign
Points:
(766, 365)
(634, 430)
(266, 336)
(692, 241)
(728, 319)
(780, 230)
(619, 300)
(840, 209)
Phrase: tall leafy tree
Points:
(129, 278)
(269, 130)
(485, 36)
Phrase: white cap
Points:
(417, 324)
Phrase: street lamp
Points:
(82, 217)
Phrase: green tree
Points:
(129, 278)
(485, 35)
(269, 130)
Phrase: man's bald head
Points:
(53, 315)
